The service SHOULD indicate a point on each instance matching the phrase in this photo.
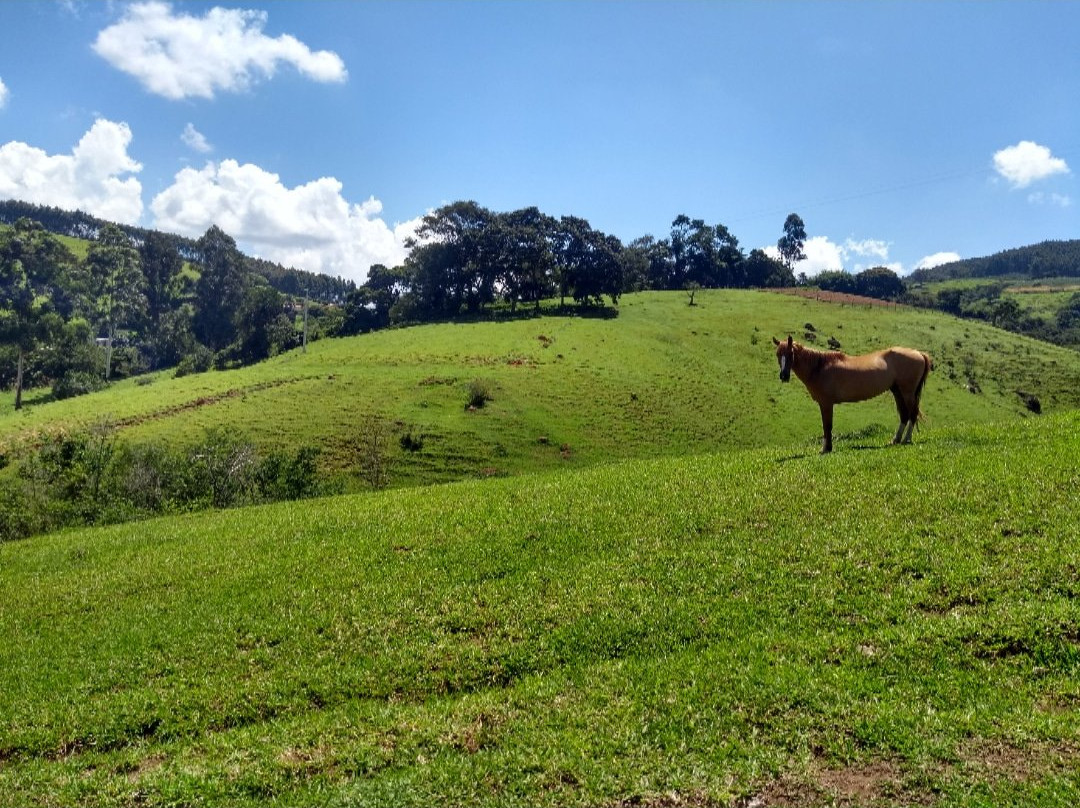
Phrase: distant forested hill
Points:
(1049, 259)
(78, 224)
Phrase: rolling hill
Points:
(640, 585)
(751, 627)
(663, 378)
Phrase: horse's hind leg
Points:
(912, 405)
(902, 411)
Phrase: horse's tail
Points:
(928, 365)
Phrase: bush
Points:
(200, 360)
(220, 470)
(411, 443)
(479, 393)
(76, 383)
(280, 477)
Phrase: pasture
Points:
(643, 586)
(662, 378)
(883, 626)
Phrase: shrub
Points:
(411, 443)
(479, 393)
(371, 452)
(279, 477)
(220, 470)
(76, 383)
(200, 360)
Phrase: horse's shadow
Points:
(858, 447)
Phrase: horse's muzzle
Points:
(785, 375)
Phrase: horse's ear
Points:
(775, 341)
(789, 340)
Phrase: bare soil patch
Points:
(837, 297)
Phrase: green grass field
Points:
(670, 600)
(882, 626)
(662, 378)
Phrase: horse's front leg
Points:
(826, 428)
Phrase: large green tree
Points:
(116, 285)
(791, 243)
(161, 264)
(219, 290)
(33, 264)
(262, 327)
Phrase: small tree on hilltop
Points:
(791, 243)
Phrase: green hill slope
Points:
(891, 626)
(662, 378)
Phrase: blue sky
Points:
(317, 133)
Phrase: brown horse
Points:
(832, 378)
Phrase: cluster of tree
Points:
(142, 300)
(76, 323)
(466, 258)
(92, 478)
(878, 282)
(989, 302)
(1048, 259)
(77, 224)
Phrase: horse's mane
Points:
(816, 360)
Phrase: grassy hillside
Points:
(889, 626)
(663, 378)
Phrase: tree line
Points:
(77, 224)
(466, 259)
(125, 309)
(1047, 259)
(142, 300)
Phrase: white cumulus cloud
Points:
(3, 94)
(823, 254)
(310, 226)
(937, 259)
(177, 55)
(195, 140)
(92, 178)
(1027, 162)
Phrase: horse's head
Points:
(785, 355)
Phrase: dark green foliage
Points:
(76, 383)
(77, 224)
(161, 265)
(1048, 259)
(33, 270)
(90, 477)
(879, 282)
(281, 476)
(791, 243)
(219, 291)
(411, 443)
(199, 360)
(262, 327)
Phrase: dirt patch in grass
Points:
(888, 783)
(786, 792)
(144, 767)
(1000, 760)
(202, 401)
(838, 297)
(872, 783)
